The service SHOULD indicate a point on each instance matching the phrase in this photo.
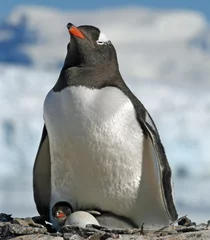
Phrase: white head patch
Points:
(103, 39)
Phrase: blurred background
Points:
(164, 55)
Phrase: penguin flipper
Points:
(155, 149)
(41, 176)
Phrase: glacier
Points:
(164, 57)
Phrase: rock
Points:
(27, 222)
(69, 236)
(199, 235)
(20, 222)
(184, 221)
(202, 226)
(31, 229)
(31, 222)
(35, 237)
(82, 232)
(17, 229)
(5, 217)
(204, 235)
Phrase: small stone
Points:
(31, 223)
(20, 222)
(103, 236)
(70, 236)
(56, 234)
(5, 217)
(17, 229)
(187, 229)
(36, 237)
(169, 228)
(83, 232)
(201, 226)
(185, 222)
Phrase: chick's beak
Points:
(60, 215)
(74, 31)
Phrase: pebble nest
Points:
(11, 227)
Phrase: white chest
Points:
(96, 148)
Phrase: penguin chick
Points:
(60, 212)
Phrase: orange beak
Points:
(60, 215)
(74, 31)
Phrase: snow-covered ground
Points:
(164, 57)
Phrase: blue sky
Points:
(203, 6)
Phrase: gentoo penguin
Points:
(100, 148)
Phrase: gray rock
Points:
(28, 229)
(17, 229)
(20, 222)
(5, 217)
(31, 223)
(70, 236)
(199, 235)
(35, 237)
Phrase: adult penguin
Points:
(100, 149)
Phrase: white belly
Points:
(96, 149)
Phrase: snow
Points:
(168, 55)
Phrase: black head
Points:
(61, 211)
(89, 46)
